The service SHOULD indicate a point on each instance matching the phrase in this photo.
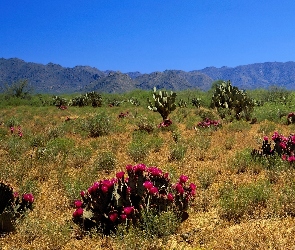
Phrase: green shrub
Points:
(80, 156)
(98, 125)
(206, 177)
(138, 151)
(177, 152)
(106, 161)
(244, 200)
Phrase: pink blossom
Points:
(153, 190)
(129, 168)
(28, 198)
(82, 193)
(192, 186)
(291, 158)
(11, 130)
(170, 197)
(179, 188)
(139, 168)
(15, 194)
(104, 189)
(148, 184)
(78, 203)
(128, 210)
(283, 145)
(293, 139)
(183, 179)
(166, 176)
(120, 175)
(113, 216)
(284, 157)
(78, 212)
(123, 216)
(107, 183)
(265, 138)
(154, 171)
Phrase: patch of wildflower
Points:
(19, 131)
(208, 123)
(124, 199)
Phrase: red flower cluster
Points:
(28, 198)
(207, 123)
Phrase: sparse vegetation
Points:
(55, 153)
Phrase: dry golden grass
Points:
(49, 225)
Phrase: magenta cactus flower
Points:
(78, 203)
(183, 179)
(170, 197)
(78, 212)
(148, 184)
(129, 168)
(153, 190)
(104, 189)
(28, 198)
(128, 210)
(120, 175)
(265, 138)
(179, 188)
(113, 216)
(123, 216)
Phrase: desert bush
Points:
(206, 177)
(98, 125)
(244, 200)
(177, 152)
(106, 161)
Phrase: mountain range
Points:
(55, 79)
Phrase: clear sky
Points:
(149, 35)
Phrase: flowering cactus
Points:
(12, 206)
(123, 199)
(282, 146)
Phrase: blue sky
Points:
(150, 35)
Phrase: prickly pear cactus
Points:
(164, 103)
(230, 100)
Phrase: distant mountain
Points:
(55, 79)
(257, 75)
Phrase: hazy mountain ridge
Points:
(53, 78)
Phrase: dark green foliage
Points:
(164, 103)
(19, 89)
(182, 103)
(229, 100)
(89, 99)
(59, 101)
(196, 102)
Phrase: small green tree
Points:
(20, 89)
